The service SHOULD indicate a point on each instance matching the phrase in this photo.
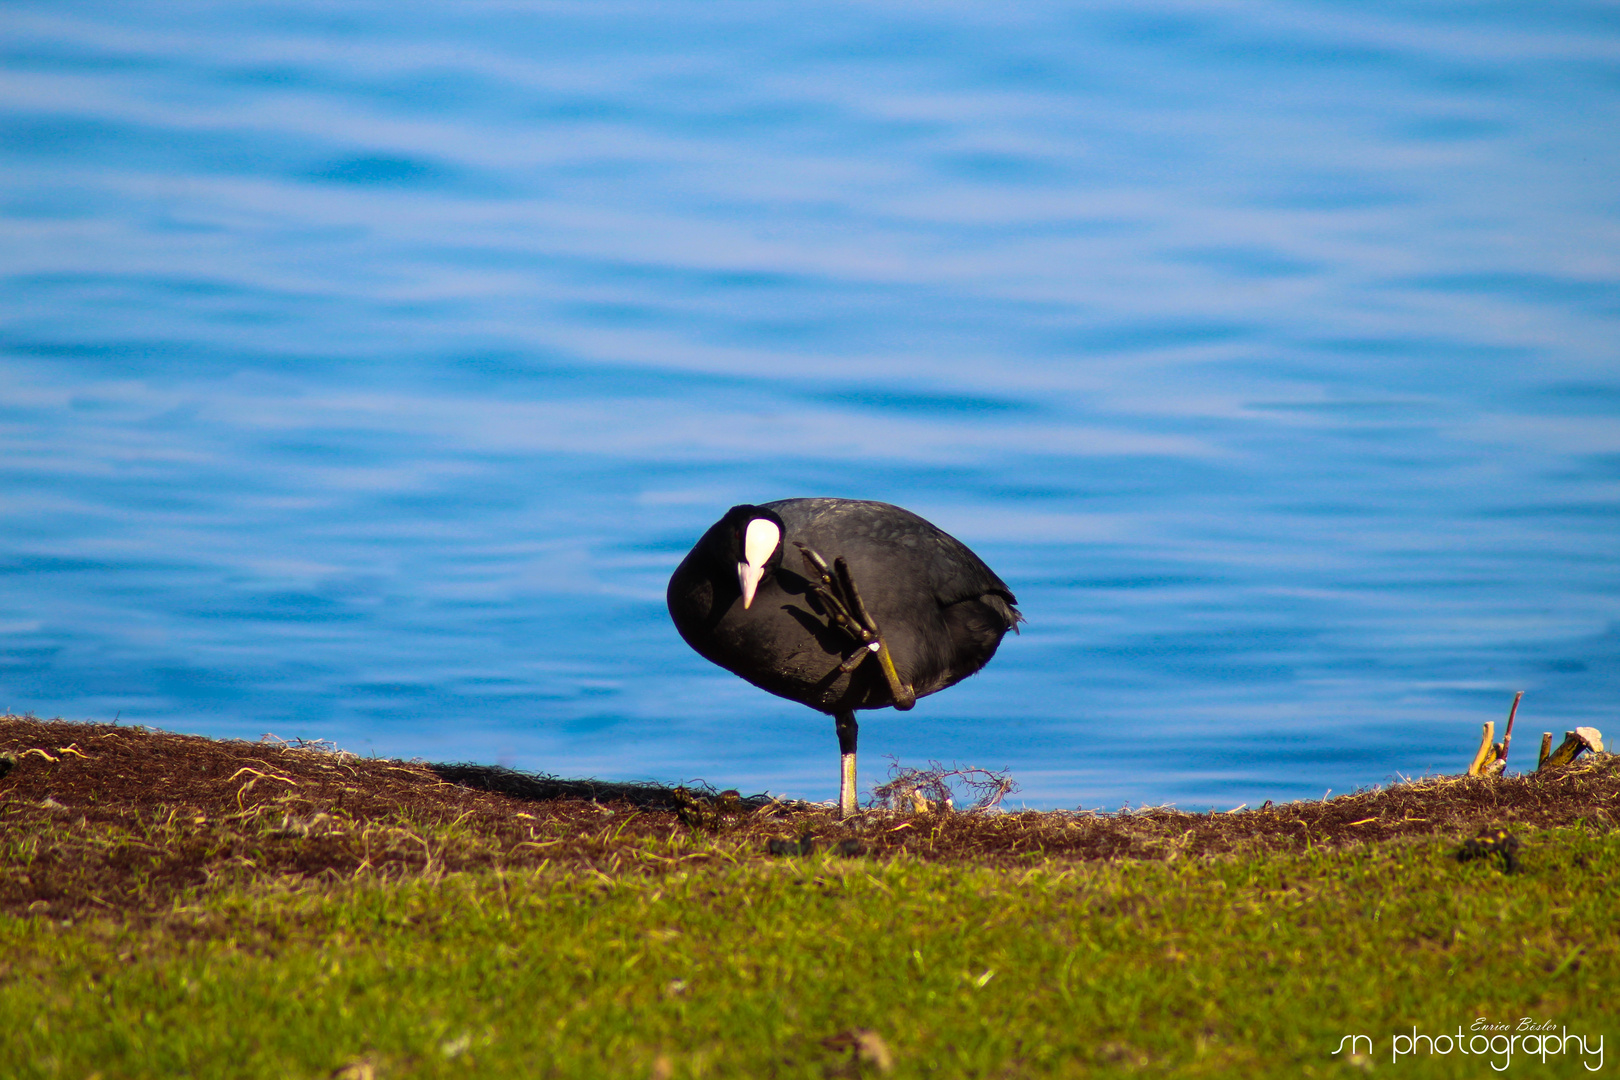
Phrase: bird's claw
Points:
(836, 589)
(838, 594)
(854, 659)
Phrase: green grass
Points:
(1256, 965)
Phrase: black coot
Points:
(840, 604)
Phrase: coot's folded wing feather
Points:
(871, 533)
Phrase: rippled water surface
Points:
(366, 368)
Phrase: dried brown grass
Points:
(125, 818)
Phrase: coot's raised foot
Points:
(844, 607)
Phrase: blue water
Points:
(365, 370)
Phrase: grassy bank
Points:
(168, 914)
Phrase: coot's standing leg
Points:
(847, 730)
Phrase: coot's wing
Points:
(941, 610)
(902, 557)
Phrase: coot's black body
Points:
(940, 610)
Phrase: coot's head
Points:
(755, 536)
